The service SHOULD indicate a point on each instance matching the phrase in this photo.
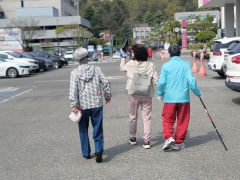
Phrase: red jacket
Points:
(150, 52)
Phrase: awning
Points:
(213, 3)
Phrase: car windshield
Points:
(236, 49)
(218, 45)
(233, 45)
(14, 54)
(26, 55)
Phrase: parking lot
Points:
(38, 141)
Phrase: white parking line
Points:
(9, 89)
(24, 92)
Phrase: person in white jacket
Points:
(140, 64)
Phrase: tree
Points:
(29, 31)
(79, 34)
(196, 24)
(205, 36)
(148, 18)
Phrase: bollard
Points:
(202, 71)
(162, 55)
(194, 67)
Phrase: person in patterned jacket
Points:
(86, 85)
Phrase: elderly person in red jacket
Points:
(150, 52)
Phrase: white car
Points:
(218, 52)
(233, 69)
(15, 58)
(68, 55)
(116, 55)
(12, 70)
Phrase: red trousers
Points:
(171, 111)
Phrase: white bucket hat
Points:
(80, 53)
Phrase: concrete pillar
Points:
(229, 20)
(238, 18)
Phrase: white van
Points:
(218, 52)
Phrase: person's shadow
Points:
(110, 153)
(202, 139)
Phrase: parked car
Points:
(232, 64)
(116, 55)
(48, 64)
(218, 52)
(198, 54)
(15, 58)
(68, 55)
(92, 55)
(40, 62)
(57, 61)
(13, 70)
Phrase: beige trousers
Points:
(146, 108)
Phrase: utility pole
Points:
(22, 3)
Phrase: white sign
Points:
(99, 47)
(10, 39)
(90, 48)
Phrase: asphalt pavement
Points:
(38, 141)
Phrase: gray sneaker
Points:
(178, 146)
(168, 144)
(132, 141)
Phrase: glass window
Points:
(14, 54)
(3, 56)
(2, 60)
(218, 45)
(236, 49)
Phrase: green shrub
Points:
(205, 36)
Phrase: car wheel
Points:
(56, 65)
(12, 73)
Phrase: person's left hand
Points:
(75, 110)
(108, 100)
(160, 98)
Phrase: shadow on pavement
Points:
(236, 101)
(110, 153)
(198, 140)
(218, 78)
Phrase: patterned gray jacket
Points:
(86, 85)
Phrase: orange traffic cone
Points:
(194, 67)
(162, 55)
(202, 71)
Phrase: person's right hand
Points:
(75, 110)
(123, 53)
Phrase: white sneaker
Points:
(178, 146)
(168, 143)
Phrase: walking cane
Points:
(213, 123)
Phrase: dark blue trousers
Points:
(96, 115)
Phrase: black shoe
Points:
(87, 157)
(99, 156)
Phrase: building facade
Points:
(45, 16)
(230, 11)
(202, 14)
(140, 33)
(64, 7)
